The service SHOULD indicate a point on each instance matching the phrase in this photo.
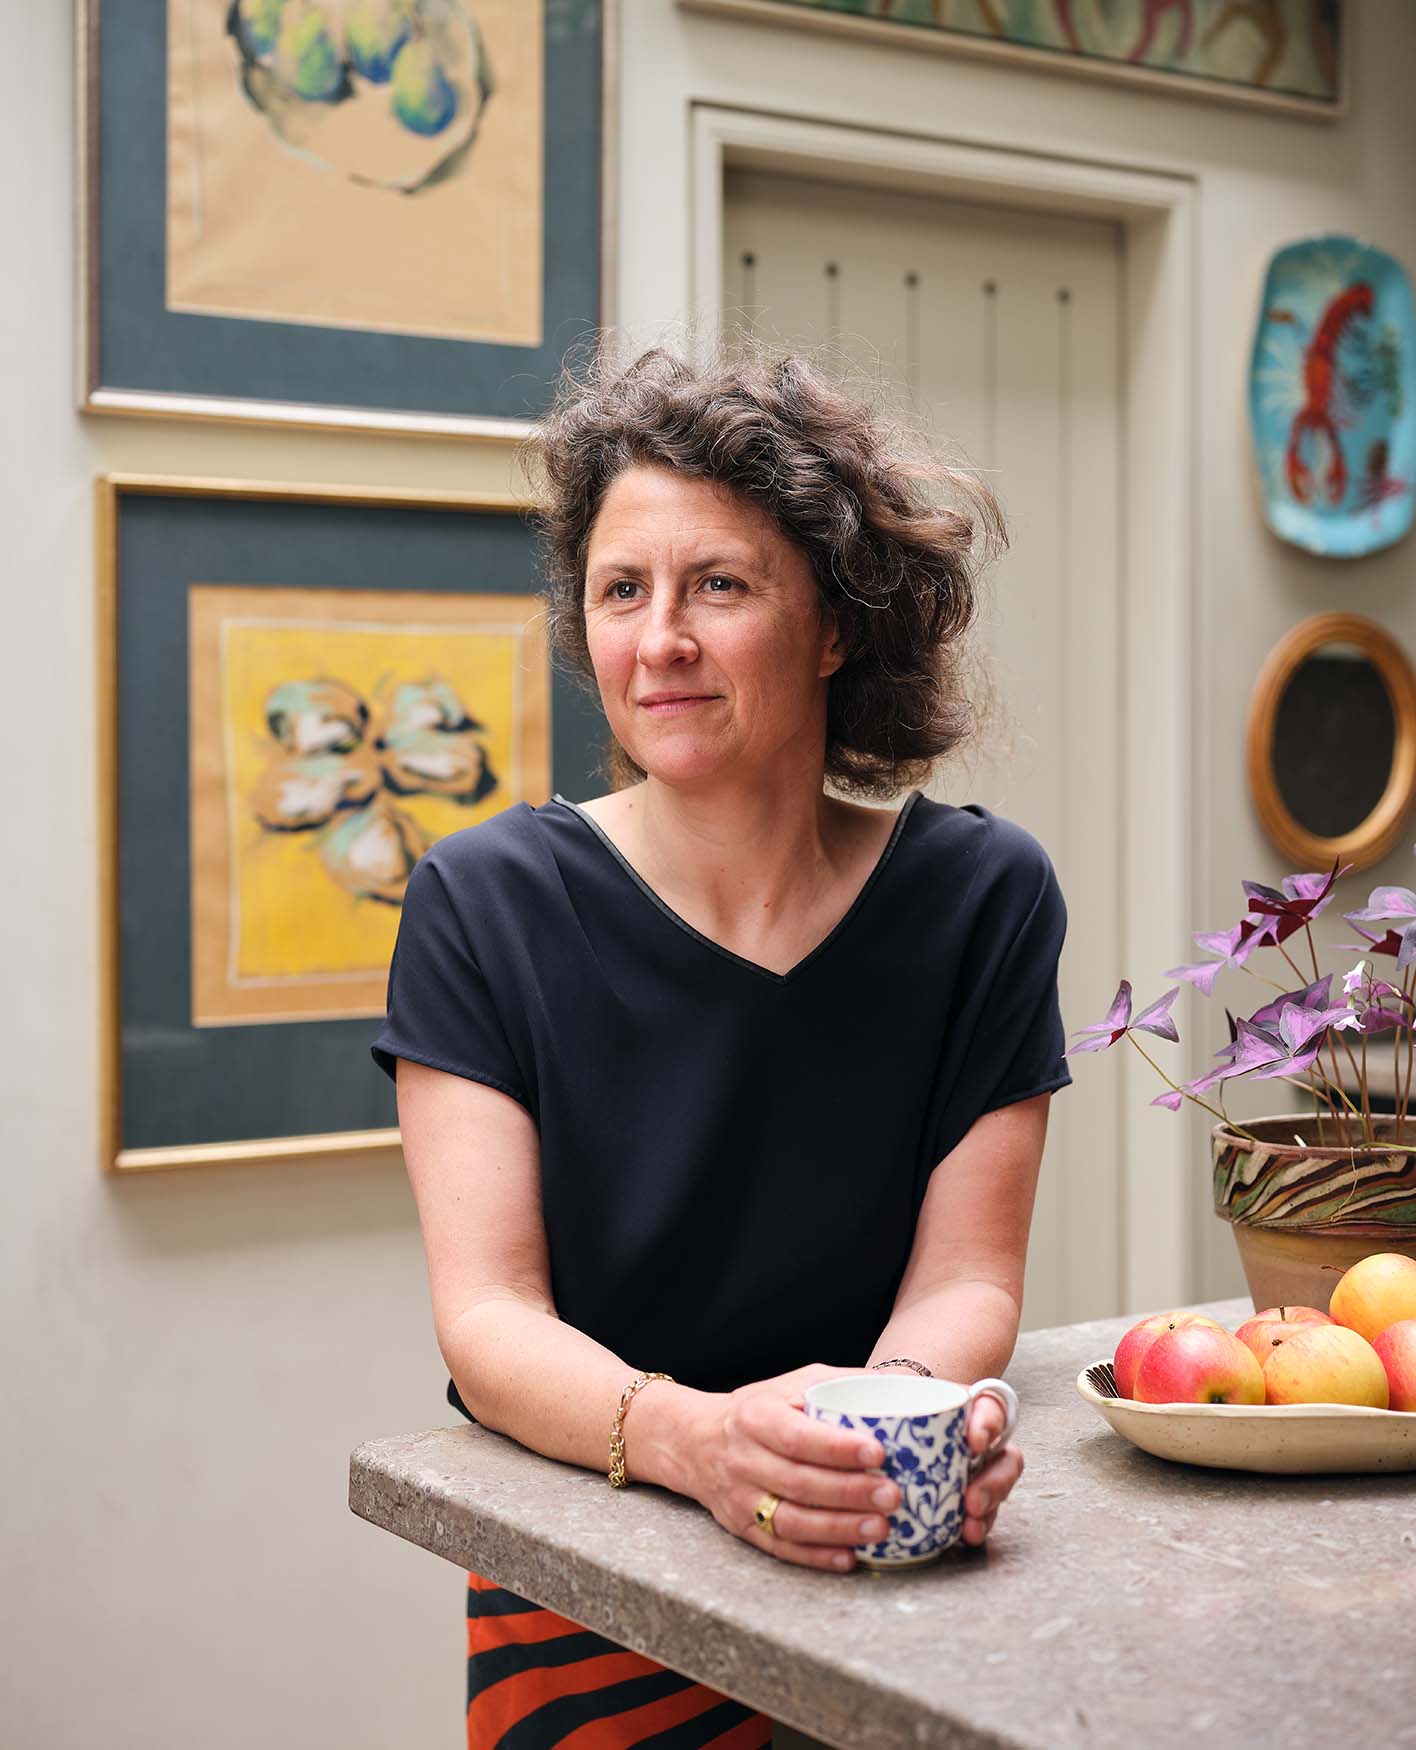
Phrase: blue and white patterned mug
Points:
(921, 1425)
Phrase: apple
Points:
(1139, 1338)
(1325, 1364)
(1377, 1291)
(1396, 1350)
(1276, 1324)
(1199, 1364)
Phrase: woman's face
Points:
(691, 589)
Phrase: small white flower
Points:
(1353, 980)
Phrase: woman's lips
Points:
(670, 707)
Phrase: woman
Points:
(719, 1076)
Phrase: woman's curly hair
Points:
(844, 482)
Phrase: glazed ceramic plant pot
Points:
(1303, 1213)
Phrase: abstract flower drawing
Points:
(336, 734)
(336, 765)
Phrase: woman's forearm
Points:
(525, 1373)
(962, 1331)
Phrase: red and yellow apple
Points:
(1325, 1364)
(1132, 1348)
(1395, 1348)
(1199, 1363)
(1376, 1292)
(1275, 1325)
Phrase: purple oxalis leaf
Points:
(1299, 902)
(1155, 1019)
(1285, 1036)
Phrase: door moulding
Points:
(1159, 494)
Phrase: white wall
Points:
(188, 1358)
(1263, 181)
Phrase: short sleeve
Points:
(1018, 1046)
(441, 1010)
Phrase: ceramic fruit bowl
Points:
(1292, 1439)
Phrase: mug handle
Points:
(1008, 1398)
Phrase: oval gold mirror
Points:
(1331, 743)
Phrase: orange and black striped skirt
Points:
(536, 1681)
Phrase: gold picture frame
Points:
(500, 520)
(1372, 838)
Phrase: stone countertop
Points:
(1121, 1600)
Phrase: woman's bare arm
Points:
(960, 1300)
(474, 1161)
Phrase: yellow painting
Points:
(335, 736)
(371, 164)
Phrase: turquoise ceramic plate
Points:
(1332, 397)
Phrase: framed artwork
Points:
(1284, 55)
(301, 689)
(384, 215)
(1332, 396)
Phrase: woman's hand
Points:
(758, 1440)
(991, 1486)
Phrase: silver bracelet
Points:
(904, 1361)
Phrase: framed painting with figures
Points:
(385, 215)
(302, 689)
(1281, 55)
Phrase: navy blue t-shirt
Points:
(732, 1160)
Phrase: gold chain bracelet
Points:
(904, 1361)
(617, 1476)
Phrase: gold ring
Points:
(766, 1506)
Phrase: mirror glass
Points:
(1334, 740)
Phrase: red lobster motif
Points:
(1320, 384)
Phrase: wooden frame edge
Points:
(888, 31)
(106, 771)
(299, 416)
(109, 489)
(611, 25)
(271, 1149)
(85, 16)
(1371, 839)
(314, 492)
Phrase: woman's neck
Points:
(747, 862)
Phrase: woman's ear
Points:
(833, 649)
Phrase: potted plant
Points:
(1307, 1193)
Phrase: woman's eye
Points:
(628, 583)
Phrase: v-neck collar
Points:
(717, 947)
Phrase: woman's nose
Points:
(665, 632)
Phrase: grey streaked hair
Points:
(855, 490)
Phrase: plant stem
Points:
(1223, 1117)
(1329, 1083)
(1366, 1112)
(1332, 1048)
(1271, 983)
(1402, 1103)
(1360, 1076)
(1406, 1148)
